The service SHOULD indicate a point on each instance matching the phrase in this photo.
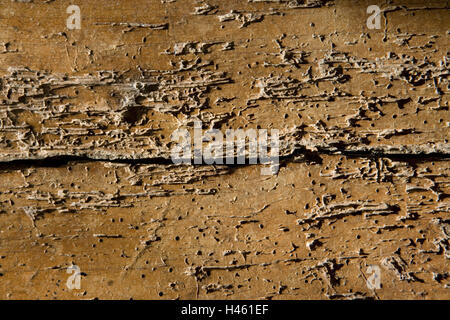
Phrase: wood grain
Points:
(86, 176)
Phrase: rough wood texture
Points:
(86, 176)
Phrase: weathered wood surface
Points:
(86, 177)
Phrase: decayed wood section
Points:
(86, 177)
